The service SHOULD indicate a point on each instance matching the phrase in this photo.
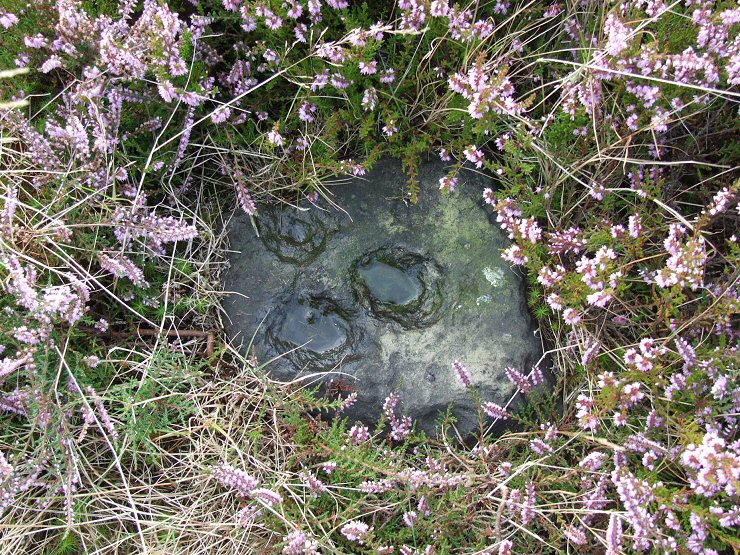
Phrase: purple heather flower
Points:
(594, 461)
(231, 5)
(409, 518)
(235, 478)
(295, 10)
(307, 111)
(38, 41)
(377, 486)
(6, 469)
(554, 301)
(102, 413)
(388, 76)
(356, 531)
(439, 8)
(448, 183)
(576, 535)
(540, 447)
(369, 99)
(515, 255)
(271, 56)
(635, 226)
(368, 68)
(636, 496)
(359, 434)
(249, 23)
(220, 114)
(614, 535)
(297, 543)
(315, 485)
(350, 399)
(713, 466)
(463, 374)
(244, 198)
(495, 411)
(272, 21)
(300, 31)
(185, 137)
(8, 19)
(571, 316)
(339, 81)
(267, 496)
(53, 62)
(122, 266)
(399, 428)
(474, 155)
(91, 361)
(246, 516)
(618, 35)
(9, 365)
(529, 503)
(720, 202)
(727, 518)
(320, 80)
(390, 128)
(314, 8)
(275, 138)
(518, 379)
(537, 376)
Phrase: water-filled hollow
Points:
(400, 285)
(313, 331)
(296, 237)
(389, 284)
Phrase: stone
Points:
(381, 296)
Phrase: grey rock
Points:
(384, 295)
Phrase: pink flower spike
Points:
(495, 411)
(463, 374)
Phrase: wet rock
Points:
(383, 295)
(296, 237)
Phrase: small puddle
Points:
(318, 331)
(313, 330)
(389, 284)
(400, 285)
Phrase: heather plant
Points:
(610, 130)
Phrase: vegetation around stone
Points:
(130, 128)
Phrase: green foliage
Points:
(155, 404)
(67, 544)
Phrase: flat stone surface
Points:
(384, 295)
